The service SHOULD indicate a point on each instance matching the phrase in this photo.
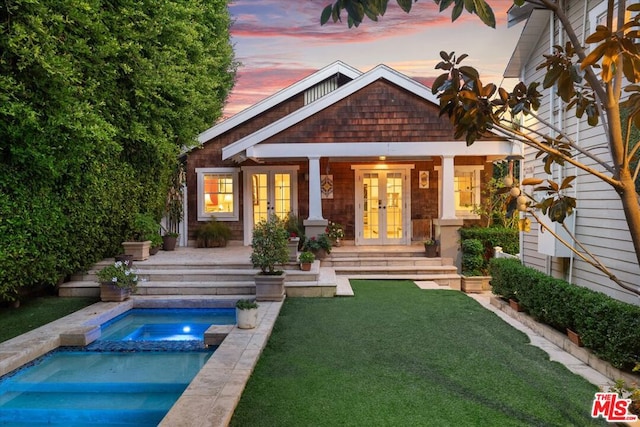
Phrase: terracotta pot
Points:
(574, 337)
(320, 253)
(516, 305)
(305, 266)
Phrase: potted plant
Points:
(169, 241)
(335, 232)
(306, 260)
(117, 281)
(320, 246)
(144, 229)
(473, 275)
(269, 243)
(173, 209)
(246, 313)
(431, 248)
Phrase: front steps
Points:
(407, 263)
(188, 279)
(193, 272)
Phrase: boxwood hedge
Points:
(608, 327)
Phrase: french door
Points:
(268, 191)
(382, 207)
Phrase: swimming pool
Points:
(98, 386)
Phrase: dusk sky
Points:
(278, 42)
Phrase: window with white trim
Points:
(466, 188)
(218, 194)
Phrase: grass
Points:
(37, 312)
(395, 355)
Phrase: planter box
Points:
(139, 250)
(293, 248)
(269, 288)
(475, 284)
(112, 293)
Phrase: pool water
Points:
(165, 324)
(96, 386)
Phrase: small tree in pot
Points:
(269, 243)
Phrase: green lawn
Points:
(37, 312)
(395, 355)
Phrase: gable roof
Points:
(379, 72)
(536, 21)
(330, 70)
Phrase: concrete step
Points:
(380, 261)
(396, 270)
(410, 252)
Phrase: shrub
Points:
(213, 234)
(608, 327)
(269, 245)
(472, 257)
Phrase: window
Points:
(466, 189)
(464, 186)
(217, 194)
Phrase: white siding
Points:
(600, 222)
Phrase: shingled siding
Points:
(380, 112)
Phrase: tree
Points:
(97, 98)
(599, 83)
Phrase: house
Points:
(599, 220)
(366, 150)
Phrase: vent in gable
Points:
(321, 89)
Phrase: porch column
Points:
(448, 224)
(448, 207)
(315, 224)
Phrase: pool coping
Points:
(211, 397)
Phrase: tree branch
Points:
(537, 145)
(592, 260)
(571, 142)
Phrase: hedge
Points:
(608, 327)
(507, 238)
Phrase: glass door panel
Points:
(282, 194)
(394, 206)
(260, 196)
(371, 204)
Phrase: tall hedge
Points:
(96, 100)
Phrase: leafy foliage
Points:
(589, 78)
(96, 100)
(372, 9)
(610, 328)
(269, 243)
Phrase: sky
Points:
(278, 42)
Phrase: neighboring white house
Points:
(599, 221)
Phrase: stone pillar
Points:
(447, 234)
(315, 224)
